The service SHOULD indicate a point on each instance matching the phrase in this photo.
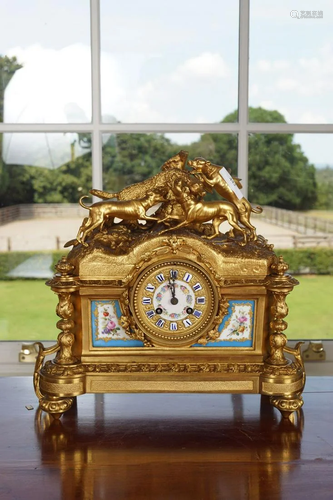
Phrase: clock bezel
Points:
(169, 338)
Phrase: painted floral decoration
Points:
(239, 325)
(109, 326)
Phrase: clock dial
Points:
(174, 302)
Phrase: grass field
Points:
(310, 306)
(27, 310)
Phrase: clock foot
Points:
(287, 406)
(55, 407)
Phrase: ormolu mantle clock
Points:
(166, 302)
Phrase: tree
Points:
(19, 187)
(8, 66)
(324, 178)
(279, 173)
(129, 158)
(64, 184)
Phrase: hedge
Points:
(300, 260)
(308, 260)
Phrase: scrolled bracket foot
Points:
(55, 407)
(287, 406)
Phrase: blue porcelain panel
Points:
(106, 328)
(236, 329)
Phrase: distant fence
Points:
(301, 223)
(313, 232)
(296, 221)
(312, 241)
(19, 243)
(40, 211)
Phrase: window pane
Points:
(292, 176)
(41, 179)
(291, 53)
(169, 62)
(45, 68)
(129, 158)
(132, 158)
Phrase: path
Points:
(42, 234)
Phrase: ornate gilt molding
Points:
(290, 369)
(174, 243)
(174, 367)
(50, 368)
(214, 333)
(244, 282)
(69, 371)
(128, 323)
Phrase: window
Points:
(81, 82)
(169, 62)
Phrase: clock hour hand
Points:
(172, 287)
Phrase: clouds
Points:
(266, 66)
(204, 67)
(302, 86)
(311, 117)
(286, 84)
(54, 86)
(158, 90)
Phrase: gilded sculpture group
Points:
(181, 194)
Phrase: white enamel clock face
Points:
(174, 302)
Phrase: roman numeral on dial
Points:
(160, 323)
(173, 326)
(146, 300)
(197, 287)
(187, 277)
(187, 322)
(160, 278)
(150, 287)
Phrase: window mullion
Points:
(243, 84)
(96, 140)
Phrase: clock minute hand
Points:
(172, 286)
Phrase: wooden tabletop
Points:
(166, 447)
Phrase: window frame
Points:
(242, 128)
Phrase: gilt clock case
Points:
(165, 301)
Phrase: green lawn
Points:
(310, 306)
(27, 310)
